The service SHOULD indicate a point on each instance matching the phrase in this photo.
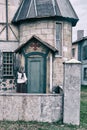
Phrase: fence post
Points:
(72, 84)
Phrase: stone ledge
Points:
(27, 94)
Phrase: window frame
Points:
(60, 53)
(84, 56)
(8, 64)
(73, 52)
(85, 74)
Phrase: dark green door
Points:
(36, 75)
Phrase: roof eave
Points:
(80, 40)
(72, 20)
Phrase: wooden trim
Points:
(8, 41)
(7, 20)
(35, 53)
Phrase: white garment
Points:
(20, 78)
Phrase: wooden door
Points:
(36, 75)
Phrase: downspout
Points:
(50, 72)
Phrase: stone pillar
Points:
(72, 83)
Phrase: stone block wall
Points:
(46, 30)
(42, 29)
(30, 107)
(67, 41)
(57, 71)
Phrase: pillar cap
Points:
(73, 61)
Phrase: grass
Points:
(84, 106)
(21, 125)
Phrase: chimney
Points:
(80, 34)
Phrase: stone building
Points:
(37, 35)
(79, 52)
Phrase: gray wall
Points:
(72, 84)
(30, 107)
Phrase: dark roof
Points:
(34, 9)
(80, 40)
(53, 49)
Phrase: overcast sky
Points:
(80, 7)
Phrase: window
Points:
(59, 38)
(85, 52)
(73, 52)
(7, 64)
(85, 74)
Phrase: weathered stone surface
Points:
(30, 107)
(46, 30)
(72, 83)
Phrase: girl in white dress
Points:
(21, 81)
